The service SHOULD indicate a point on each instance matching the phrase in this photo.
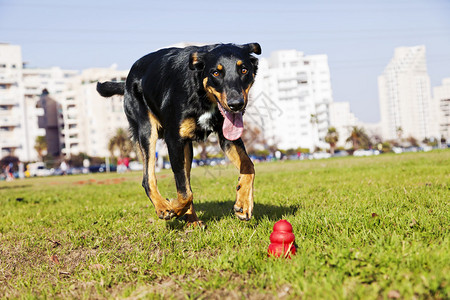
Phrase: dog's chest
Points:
(205, 120)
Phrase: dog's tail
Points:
(110, 88)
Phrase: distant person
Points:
(86, 165)
(9, 172)
(126, 162)
(122, 165)
(21, 170)
(63, 167)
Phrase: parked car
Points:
(209, 162)
(397, 150)
(321, 155)
(101, 168)
(38, 169)
(74, 171)
(340, 154)
(135, 166)
(362, 152)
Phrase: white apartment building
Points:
(405, 97)
(86, 121)
(13, 135)
(290, 99)
(20, 91)
(60, 85)
(99, 118)
(442, 100)
(343, 120)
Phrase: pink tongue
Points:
(233, 125)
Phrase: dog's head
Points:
(227, 73)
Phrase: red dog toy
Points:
(282, 240)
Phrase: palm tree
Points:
(332, 138)
(412, 141)
(359, 138)
(122, 142)
(399, 131)
(40, 145)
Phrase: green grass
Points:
(366, 228)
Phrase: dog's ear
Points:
(254, 61)
(196, 61)
(252, 48)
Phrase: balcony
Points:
(35, 91)
(9, 119)
(8, 79)
(9, 139)
(10, 96)
(8, 100)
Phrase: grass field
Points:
(369, 228)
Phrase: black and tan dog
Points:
(182, 95)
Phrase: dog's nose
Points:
(236, 104)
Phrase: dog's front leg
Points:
(235, 151)
(180, 154)
(147, 147)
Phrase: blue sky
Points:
(359, 37)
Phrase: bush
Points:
(5, 161)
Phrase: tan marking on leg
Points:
(182, 204)
(191, 217)
(162, 206)
(240, 159)
(187, 128)
(188, 164)
(155, 125)
(192, 220)
(244, 191)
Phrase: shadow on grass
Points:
(217, 210)
(13, 187)
(220, 209)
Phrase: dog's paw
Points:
(242, 214)
(196, 224)
(164, 209)
(166, 214)
(179, 209)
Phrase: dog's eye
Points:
(216, 73)
(244, 71)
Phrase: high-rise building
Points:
(62, 105)
(46, 93)
(99, 118)
(406, 106)
(51, 121)
(85, 120)
(13, 134)
(442, 99)
(290, 99)
(343, 120)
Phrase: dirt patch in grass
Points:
(23, 258)
(101, 182)
(191, 286)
